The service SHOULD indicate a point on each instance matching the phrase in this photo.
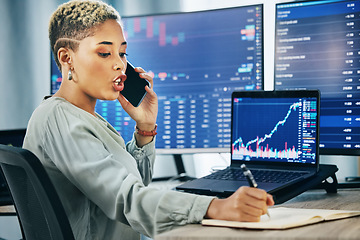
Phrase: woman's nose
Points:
(116, 67)
(119, 66)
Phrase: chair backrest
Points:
(38, 206)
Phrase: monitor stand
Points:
(180, 169)
(182, 176)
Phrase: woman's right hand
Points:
(146, 113)
(247, 204)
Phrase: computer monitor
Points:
(317, 47)
(196, 59)
(13, 137)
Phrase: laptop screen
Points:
(276, 126)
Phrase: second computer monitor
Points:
(317, 47)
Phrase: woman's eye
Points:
(122, 54)
(104, 54)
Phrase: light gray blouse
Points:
(102, 182)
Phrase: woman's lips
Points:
(118, 84)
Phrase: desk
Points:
(345, 199)
(8, 209)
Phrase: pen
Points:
(251, 180)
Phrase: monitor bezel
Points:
(313, 93)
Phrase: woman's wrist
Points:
(146, 133)
(213, 210)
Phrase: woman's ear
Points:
(64, 57)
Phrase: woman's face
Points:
(100, 62)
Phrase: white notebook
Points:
(284, 218)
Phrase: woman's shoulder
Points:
(58, 113)
(49, 106)
(50, 102)
(53, 106)
(55, 109)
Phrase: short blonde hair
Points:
(77, 20)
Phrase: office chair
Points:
(39, 209)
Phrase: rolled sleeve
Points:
(145, 158)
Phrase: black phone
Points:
(134, 86)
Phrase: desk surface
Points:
(345, 199)
(7, 209)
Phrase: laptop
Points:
(274, 133)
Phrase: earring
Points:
(70, 77)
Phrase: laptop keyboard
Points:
(267, 176)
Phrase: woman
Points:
(102, 181)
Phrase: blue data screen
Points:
(318, 47)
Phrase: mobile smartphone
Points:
(134, 86)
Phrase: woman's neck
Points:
(79, 99)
